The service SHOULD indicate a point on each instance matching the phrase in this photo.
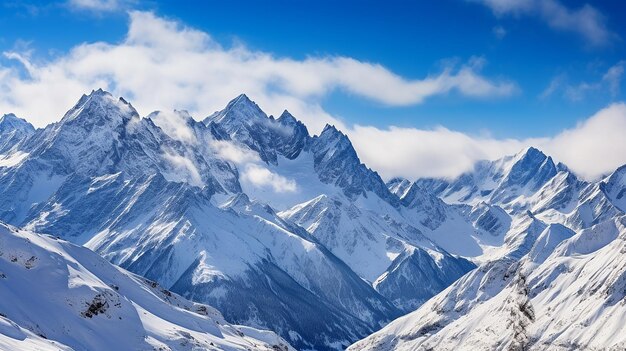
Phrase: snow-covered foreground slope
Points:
(567, 293)
(59, 296)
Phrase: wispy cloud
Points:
(100, 5)
(585, 21)
(163, 64)
(555, 84)
(609, 83)
(260, 176)
(499, 32)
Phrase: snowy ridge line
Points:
(77, 301)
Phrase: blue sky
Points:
(546, 65)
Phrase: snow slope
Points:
(59, 296)
(568, 293)
(395, 257)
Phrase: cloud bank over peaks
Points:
(165, 65)
(591, 149)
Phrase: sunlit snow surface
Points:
(78, 301)
(568, 293)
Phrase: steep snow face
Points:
(566, 294)
(599, 202)
(529, 171)
(491, 219)
(445, 225)
(13, 132)
(547, 241)
(89, 135)
(615, 188)
(58, 296)
(336, 162)
(560, 195)
(401, 263)
(426, 208)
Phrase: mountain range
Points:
(283, 230)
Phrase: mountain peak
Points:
(243, 102)
(99, 91)
(240, 110)
(330, 128)
(13, 131)
(243, 98)
(100, 105)
(332, 138)
(11, 122)
(530, 152)
(295, 126)
(399, 186)
(286, 115)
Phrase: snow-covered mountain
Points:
(509, 182)
(567, 293)
(154, 204)
(550, 274)
(59, 296)
(195, 206)
(283, 230)
(496, 193)
(395, 257)
(13, 131)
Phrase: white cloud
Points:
(185, 170)
(260, 176)
(231, 152)
(591, 149)
(555, 84)
(163, 65)
(254, 171)
(613, 78)
(174, 124)
(413, 153)
(594, 147)
(585, 21)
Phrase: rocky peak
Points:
(239, 111)
(14, 131)
(11, 122)
(291, 135)
(332, 138)
(336, 162)
(99, 108)
(531, 169)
